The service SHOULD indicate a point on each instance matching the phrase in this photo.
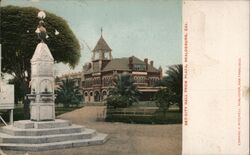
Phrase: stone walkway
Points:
(125, 139)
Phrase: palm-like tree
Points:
(68, 93)
(125, 90)
(173, 81)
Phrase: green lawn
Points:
(157, 118)
(144, 113)
(150, 104)
(19, 114)
(144, 104)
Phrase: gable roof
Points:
(119, 64)
(137, 60)
(152, 69)
(123, 64)
(102, 45)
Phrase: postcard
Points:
(164, 77)
(216, 77)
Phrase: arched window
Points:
(97, 96)
(104, 93)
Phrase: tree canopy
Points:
(173, 82)
(124, 92)
(19, 40)
(164, 98)
(68, 93)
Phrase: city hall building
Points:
(97, 76)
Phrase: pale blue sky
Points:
(143, 28)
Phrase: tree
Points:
(19, 40)
(124, 93)
(20, 89)
(68, 93)
(173, 82)
(164, 99)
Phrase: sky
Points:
(142, 28)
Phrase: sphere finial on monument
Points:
(41, 30)
(41, 14)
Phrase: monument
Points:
(43, 131)
(42, 84)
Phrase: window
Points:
(107, 81)
(139, 67)
(88, 83)
(153, 80)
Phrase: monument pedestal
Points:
(27, 135)
(42, 111)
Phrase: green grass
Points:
(145, 112)
(144, 104)
(149, 104)
(19, 113)
(157, 117)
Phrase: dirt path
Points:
(125, 139)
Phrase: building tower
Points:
(102, 52)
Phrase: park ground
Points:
(125, 139)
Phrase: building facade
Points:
(97, 76)
(76, 77)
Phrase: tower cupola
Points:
(102, 51)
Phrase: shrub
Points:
(124, 93)
(157, 118)
(68, 94)
(163, 99)
(117, 102)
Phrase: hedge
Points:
(157, 118)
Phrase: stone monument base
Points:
(42, 111)
(29, 135)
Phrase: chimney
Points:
(146, 63)
(160, 71)
(130, 64)
(152, 63)
(89, 66)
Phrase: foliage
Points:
(19, 112)
(157, 118)
(68, 93)
(19, 40)
(144, 104)
(173, 83)
(164, 98)
(117, 102)
(124, 93)
(20, 89)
